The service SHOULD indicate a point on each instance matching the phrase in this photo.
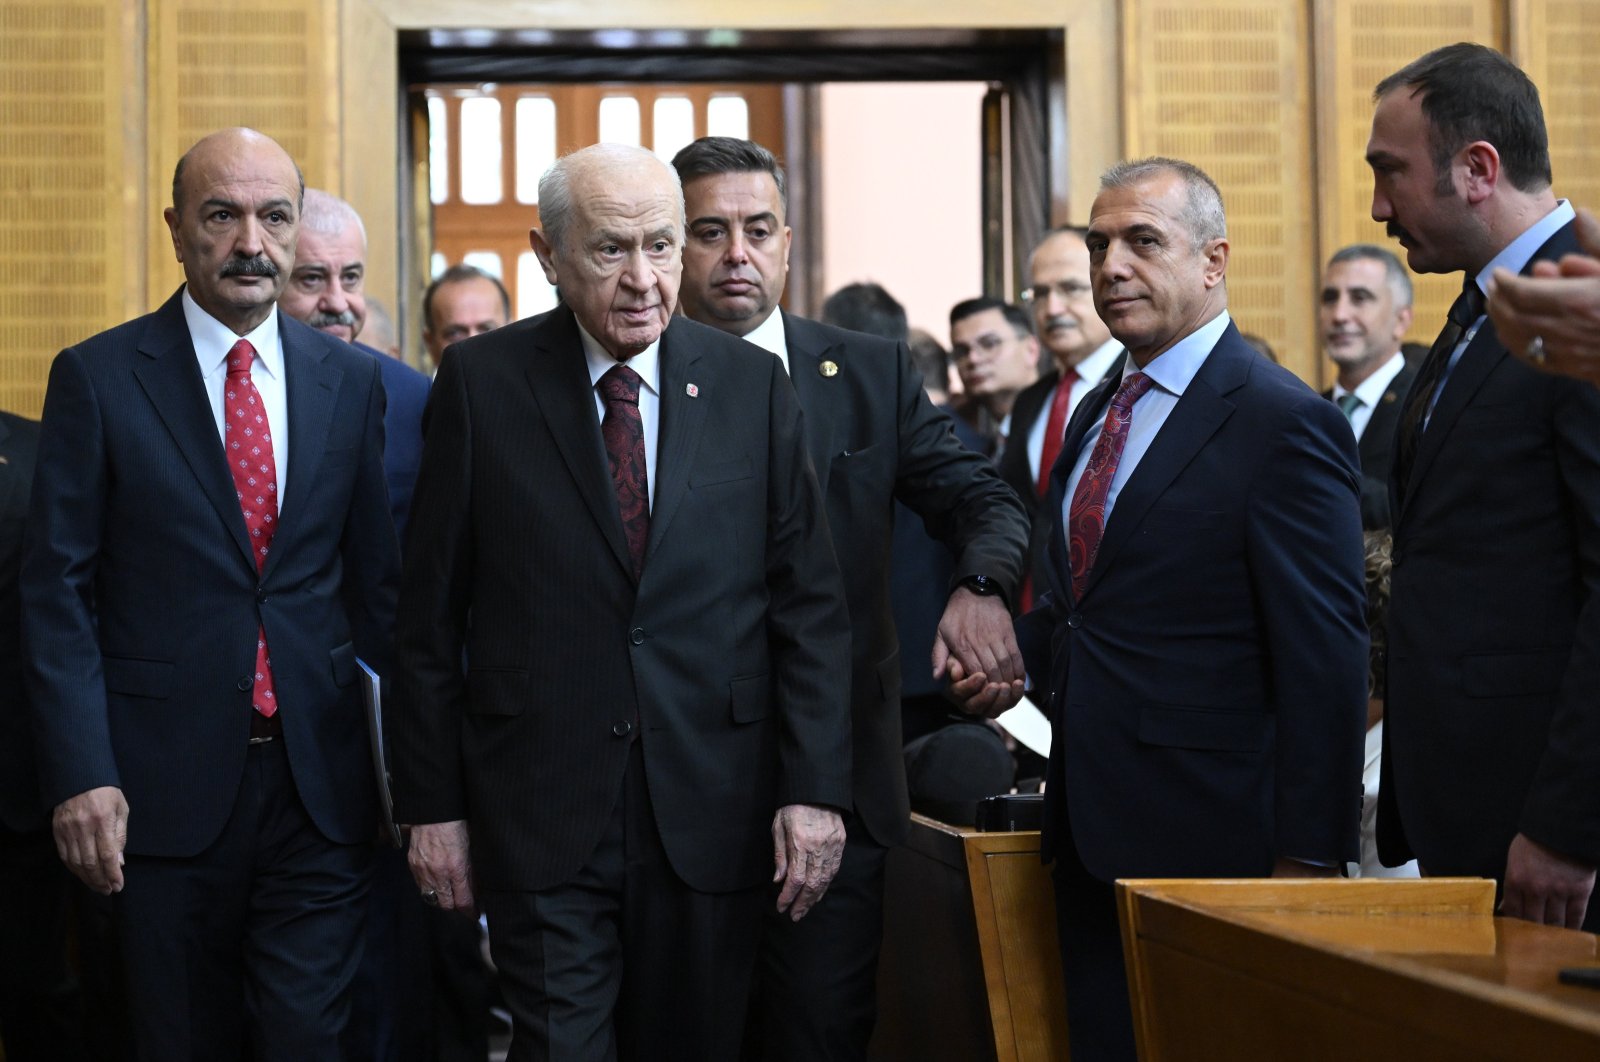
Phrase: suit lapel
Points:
(558, 375)
(808, 348)
(170, 377)
(682, 418)
(1476, 363)
(310, 386)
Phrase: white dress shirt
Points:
(1171, 372)
(647, 363)
(1370, 392)
(769, 336)
(212, 340)
(1089, 371)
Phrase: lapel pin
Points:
(1389, 397)
(829, 369)
(692, 390)
(4, 460)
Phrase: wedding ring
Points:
(1535, 351)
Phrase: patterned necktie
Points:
(623, 432)
(1086, 518)
(247, 441)
(1467, 308)
(1348, 404)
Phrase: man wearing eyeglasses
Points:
(1083, 352)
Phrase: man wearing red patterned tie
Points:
(209, 550)
(1200, 638)
(1067, 326)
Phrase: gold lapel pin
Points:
(829, 369)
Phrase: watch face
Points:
(980, 584)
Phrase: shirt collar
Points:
(1097, 364)
(1175, 368)
(1370, 390)
(647, 363)
(770, 336)
(212, 339)
(1520, 251)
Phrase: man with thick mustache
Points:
(326, 290)
(1491, 759)
(209, 550)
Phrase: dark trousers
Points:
(41, 1009)
(624, 960)
(1099, 1018)
(816, 987)
(254, 941)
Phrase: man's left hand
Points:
(1542, 885)
(807, 848)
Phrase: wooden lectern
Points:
(1349, 970)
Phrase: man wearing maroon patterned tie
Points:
(209, 549)
(1200, 638)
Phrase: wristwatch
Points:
(981, 585)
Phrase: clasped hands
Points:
(977, 650)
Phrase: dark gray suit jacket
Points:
(727, 658)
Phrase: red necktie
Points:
(1055, 428)
(1086, 519)
(623, 433)
(247, 440)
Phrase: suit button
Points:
(622, 728)
(1396, 557)
(245, 682)
(1074, 620)
(636, 636)
(261, 595)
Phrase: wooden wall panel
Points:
(1226, 86)
(1556, 42)
(66, 184)
(1358, 44)
(221, 63)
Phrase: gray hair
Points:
(1202, 212)
(1395, 274)
(328, 215)
(555, 187)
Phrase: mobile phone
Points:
(1587, 976)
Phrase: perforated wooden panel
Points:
(63, 246)
(1358, 45)
(220, 63)
(1226, 86)
(1559, 46)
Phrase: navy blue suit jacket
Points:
(1492, 725)
(19, 783)
(407, 396)
(142, 599)
(1208, 691)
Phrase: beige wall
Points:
(901, 182)
(98, 97)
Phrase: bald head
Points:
(326, 288)
(612, 241)
(234, 220)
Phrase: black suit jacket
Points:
(1492, 725)
(20, 809)
(728, 657)
(142, 598)
(1376, 448)
(874, 437)
(1032, 402)
(1208, 692)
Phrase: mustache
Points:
(258, 266)
(1395, 232)
(329, 320)
(1060, 321)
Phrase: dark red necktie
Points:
(1086, 519)
(247, 441)
(1055, 426)
(623, 432)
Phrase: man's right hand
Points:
(975, 695)
(91, 830)
(438, 859)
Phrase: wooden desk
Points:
(1375, 969)
(971, 970)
